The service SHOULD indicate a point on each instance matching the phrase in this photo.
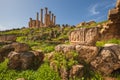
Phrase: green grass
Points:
(43, 73)
(102, 43)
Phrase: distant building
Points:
(46, 20)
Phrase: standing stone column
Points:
(30, 23)
(37, 20)
(54, 21)
(41, 24)
(46, 16)
(49, 19)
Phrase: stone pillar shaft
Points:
(41, 18)
(49, 19)
(54, 21)
(37, 20)
(46, 16)
(30, 23)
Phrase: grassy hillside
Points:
(45, 39)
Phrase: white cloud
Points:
(93, 9)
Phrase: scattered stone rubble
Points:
(104, 60)
(20, 56)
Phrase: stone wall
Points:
(113, 25)
(5, 38)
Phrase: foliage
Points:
(102, 43)
(67, 60)
(43, 73)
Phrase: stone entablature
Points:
(47, 19)
(85, 36)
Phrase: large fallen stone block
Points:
(64, 48)
(25, 60)
(76, 71)
(85, 36)
(4, 51)
(87, 53)
(17, 47)
(20, 47)
(108, 59)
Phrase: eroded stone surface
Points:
(4, 51)
(24, 60)
(76, 71)
(87, 53)
(64, 48)
(113, 30)
(108, 59)
(20, 47)
(85, 36)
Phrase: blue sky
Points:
(16, 13)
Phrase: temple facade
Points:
(45, 20)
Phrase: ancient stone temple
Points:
(45, 20)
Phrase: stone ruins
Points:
(105, 60)
(112, 29)
(49, 19)
(84, 36)
(20, 56)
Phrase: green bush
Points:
(48, 49)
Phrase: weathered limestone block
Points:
(113, 30)
(87, 53)
(112, 13)
(20, 47)
(85, 36)
(63, 73)
(4, 51)
(54, 66)
(118, 4)
(64, 48)
(108, 59)
(5, 38)
(76, 71)
(25, 60)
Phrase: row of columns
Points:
(48, 18)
